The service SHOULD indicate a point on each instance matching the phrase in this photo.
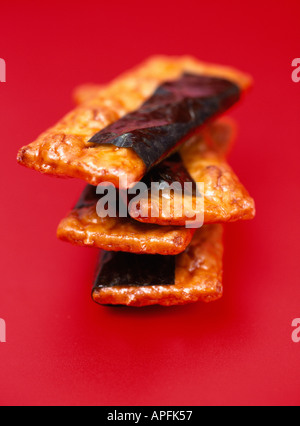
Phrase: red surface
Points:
(62, 348)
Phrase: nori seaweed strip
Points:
(127, 269)
(175, 110)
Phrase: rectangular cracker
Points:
(82, 226)
(64, 150)
(198, 277)
(225, 198)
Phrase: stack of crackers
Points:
(160, 247)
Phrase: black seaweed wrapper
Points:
(128, 269)
(176, 109)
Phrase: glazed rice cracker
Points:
(64, 149)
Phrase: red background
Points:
(61, 347)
